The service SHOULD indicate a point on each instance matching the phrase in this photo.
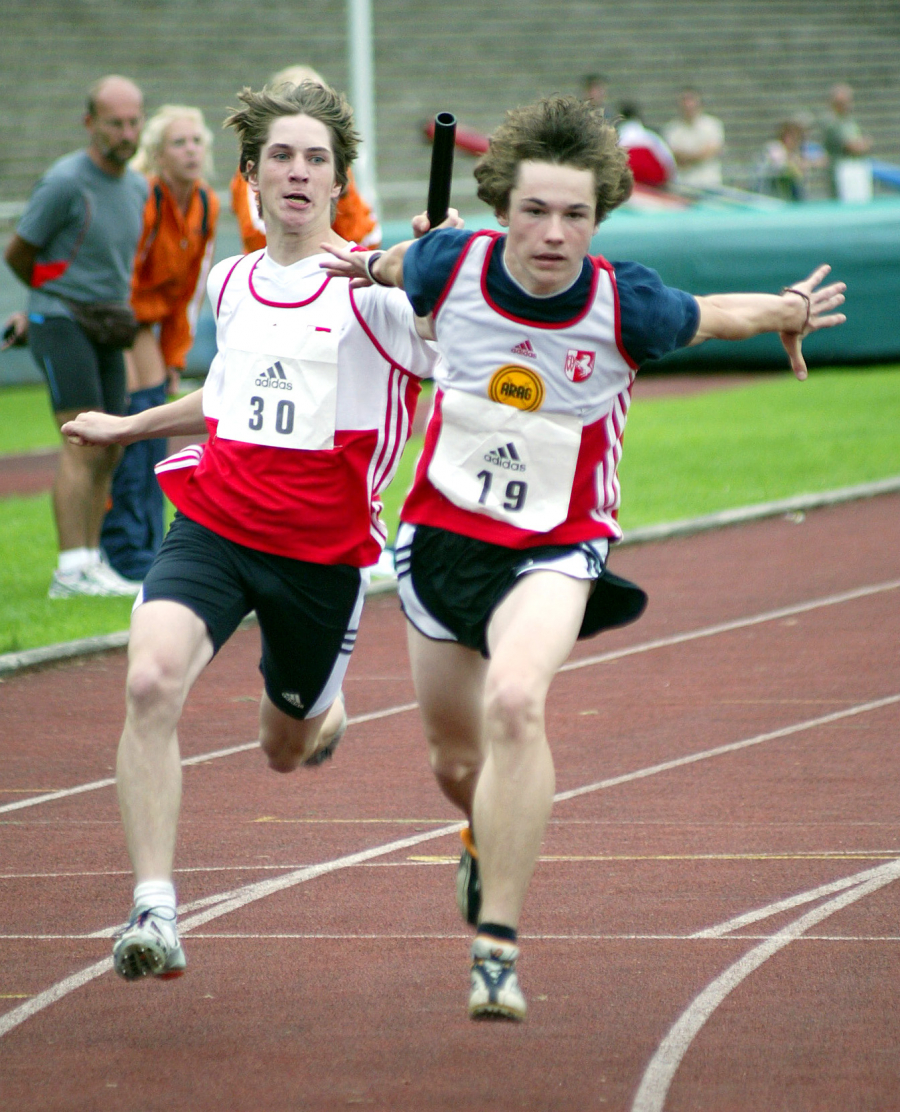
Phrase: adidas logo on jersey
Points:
(506, 457)
(293, 698)
(525, 349)
(274, 378)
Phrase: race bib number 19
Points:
(510, 464)
(282, 401)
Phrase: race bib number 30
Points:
(282, 401)
(512, 465)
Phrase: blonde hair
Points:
(153, 138)
(295, 75)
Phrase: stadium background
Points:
(756, 62)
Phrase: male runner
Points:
(308, 405)
(502, 554)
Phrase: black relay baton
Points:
(441, 168)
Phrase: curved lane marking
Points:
(224, 902)
(587, 662)
(657, 1079)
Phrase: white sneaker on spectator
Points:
(107, 581)
(68, 584)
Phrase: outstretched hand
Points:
(818, 302)
(95, 427)
(347, 264)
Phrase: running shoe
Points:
(69, 584)
(326, 752)
(468, 882)
(107, 581)
(148, 946)
(495, 987)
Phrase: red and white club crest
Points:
(579, 364)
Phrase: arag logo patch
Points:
(520, 387)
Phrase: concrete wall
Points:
(755, 60)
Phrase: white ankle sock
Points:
(73, 559)
(155, 893)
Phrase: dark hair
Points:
(252, 122)
(559, 129)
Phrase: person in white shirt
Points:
(696, 140)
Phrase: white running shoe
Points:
(495, 987)
(149, 946)
(68, 584)
(108, 582)
(97, 580)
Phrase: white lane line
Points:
(740, 921)
(202, 758)
(355, 936)
(657, 1079)
(733, 747)
(224, 902)
(737, 623)
(587, 662)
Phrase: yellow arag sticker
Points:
(520, 387)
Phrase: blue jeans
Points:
(133, 529)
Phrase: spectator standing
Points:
(354, 220)
(74, 248)
(785, 164)
(595, 90)
(171, 267)
(696, 140)
(847, 149)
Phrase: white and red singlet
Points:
(309, 403)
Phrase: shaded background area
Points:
(755, 61)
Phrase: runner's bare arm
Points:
(181, 418)
(383, 268)
(804, 307)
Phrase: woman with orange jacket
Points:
(171, 265)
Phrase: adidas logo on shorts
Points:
(293, 698)
(506, 457)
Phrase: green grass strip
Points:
(684, 456)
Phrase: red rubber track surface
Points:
(348, 988)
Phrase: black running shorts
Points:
(308, 613)
(81, 375)
(450, 585)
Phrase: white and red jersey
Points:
(309, 403)
(529, 415)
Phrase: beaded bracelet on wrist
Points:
(805, 296)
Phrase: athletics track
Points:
(712, 925)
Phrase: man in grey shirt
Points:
(75, 244)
